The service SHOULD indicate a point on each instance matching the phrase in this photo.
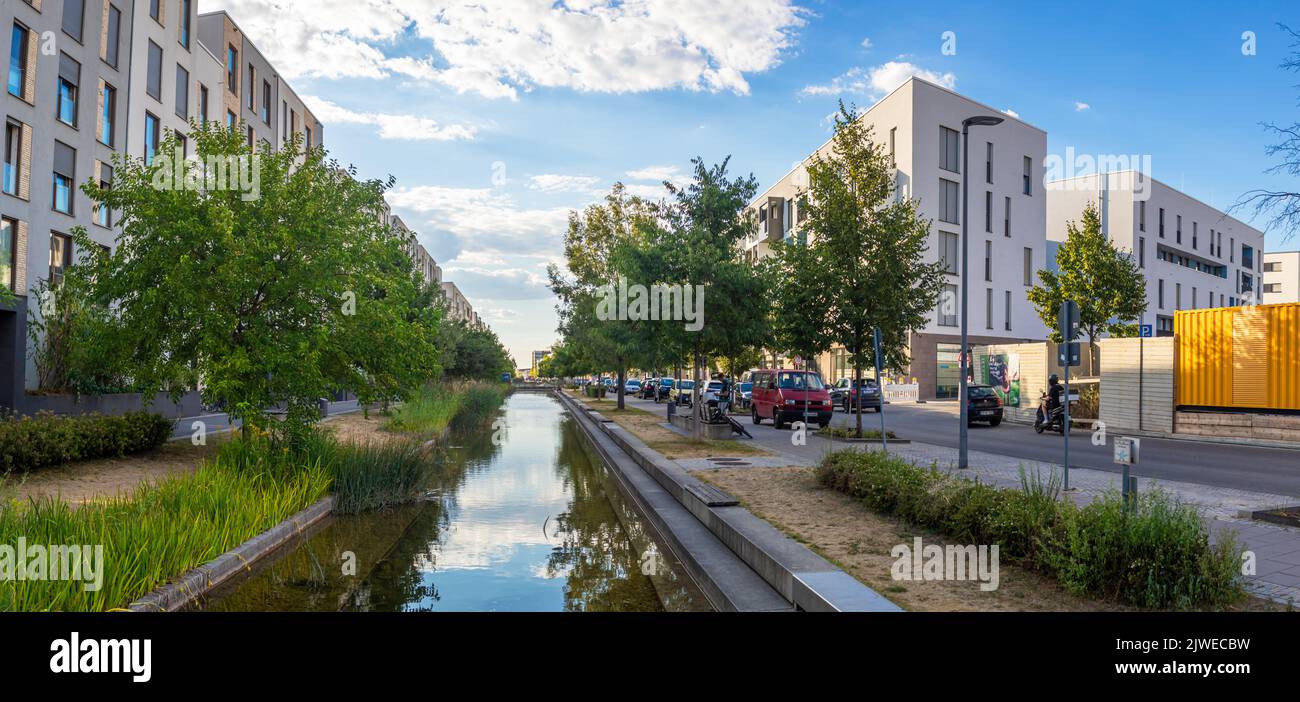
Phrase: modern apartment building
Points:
(1194, 256)
(919, 124)
(90, 79)
(1281, 277)
(424, 263)
(458, 307)
(538, 356)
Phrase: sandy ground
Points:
(358, 429)
(80, 482)
(847, 533)
(648, 427)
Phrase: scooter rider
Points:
(1054, 391)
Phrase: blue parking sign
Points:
(1146, 331)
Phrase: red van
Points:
(784, 395)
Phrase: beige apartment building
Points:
(91, 79)
(919, 124)
(1281, 277)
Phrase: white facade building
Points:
(920, 124)
(1281, 277)
(1194, 256)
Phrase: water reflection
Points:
(527, 524)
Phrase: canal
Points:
(520, 518)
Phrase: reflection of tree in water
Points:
(602, 568)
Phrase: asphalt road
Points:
(1224, 465)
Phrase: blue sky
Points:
(498, 120)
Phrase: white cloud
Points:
(1081, 106)
(877, 81)
(866, 42)
(497, 48)
(657, 173)
(397, 127)
(1012, 112)
(553, 183)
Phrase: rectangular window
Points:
(309, 143)
(69, 80)
(182, 92)
(1247, 257)
(1142, 252)
(1142, 215)
(988, 308)
(65, 176)
(1007, 325)
(231, 121)
(232, 69)
(18, 60)
(74, 12)
(252, 87)
(1162, 223)
(949, 252)
(9, 253)
(1232, 249)
(60, 256)
(988, 261)
(108, 110)
(153, 86)
(266, 102)
(112, 37)
(1029, 176)
(893, 136)
(947, 316)
(1178, 229)
(988, 162)
(1178, 296)
(949, 151)
(949, 193)
(13, 155)
(1006, 217)
(1194, 235)
(203, 103)
(250, 138)
(988, 211)
(185, 23)
(1160, 293)
(1029, 266)
(152, 137)
(104, 215)
(1193, 298)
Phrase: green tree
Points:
(1105, 282)
(473, 353)
(872, 245)
(268, 295)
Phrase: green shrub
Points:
(379, 476)
(27, 443)
(1156, 554)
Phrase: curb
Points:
(199, 581)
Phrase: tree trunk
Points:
(857, 400)
(696, 423)
(622, 383)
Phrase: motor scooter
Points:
(1054, 419)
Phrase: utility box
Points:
(1239, 357)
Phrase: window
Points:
(13, 155)
(1142, 252)
(182, 92)
(988, 211)
(69, 78)
(948, 252)
(1006, 217)
(18, 61)
(1178, 229)
(185, 23)
(230, 120)
(1247, 257)
(74, 12)
(947, 316)
(155, 10)
(152, 137)
(1160, 293)
(203, 102)
(266, 102)
(108, 110)
(949, 153)
(1007, 324)
(1029, 176)
(949, 211)
(250, 138)
(65, 174)
(988, 261)
(1232, 249)
(988, 162)
(154, 84)
(9, 253)
(104, 215)
(1194, 235)
(1178, 296)
(232, 69)
(893, 136)
(309, 143)
(1193, 298)
(1162, 223)
(988, 308)
(1142, 215)
(183, 142)
(1273, 267)
(252, 87)
(1029, 266)
(112, 37)
(60, 256)
(1268, 287)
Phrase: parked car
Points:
(665, 389)
(744, 392)
(632, 387)
(681, 392)
(844, 395)
(788, 395)
(649, 388)
(983, 405)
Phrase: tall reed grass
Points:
(436, 406)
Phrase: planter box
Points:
(711, 431)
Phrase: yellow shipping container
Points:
(1239, 357)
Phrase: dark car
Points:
(844, 395)
(649, 388)
(983, 405)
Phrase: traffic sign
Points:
(1126, 450)
(1068, 321)
(1147, 331)
(1068, 354)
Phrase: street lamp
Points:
(966, 124)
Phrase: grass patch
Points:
(1155, 555)
(850, 433)
(436, 406)
(379, 475)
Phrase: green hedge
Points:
(594, 390)
(1155, 555)
(28, 443)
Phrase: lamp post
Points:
(966, 124)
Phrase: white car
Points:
(632, 387)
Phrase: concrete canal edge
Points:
(197, 582)
(741, 562)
